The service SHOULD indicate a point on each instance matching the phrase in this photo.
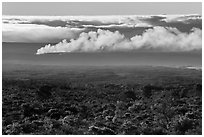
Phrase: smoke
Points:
(158, 38)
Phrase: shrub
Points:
(130, 95)
(198, 89)
(183, 125)
(147, 91)
(44, 92)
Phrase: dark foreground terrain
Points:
(101, 100)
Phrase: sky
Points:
(121, 30)
(98, 8)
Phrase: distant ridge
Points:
(192, 67)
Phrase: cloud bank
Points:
(164, 39)
(32, 33)
(52, 29)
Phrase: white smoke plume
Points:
(158, 38)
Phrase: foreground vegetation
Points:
(34, 105)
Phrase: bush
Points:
(130, 95)
(147, 91)
(183, 125)
(44, 92)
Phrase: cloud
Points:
(52, 29)
(77, 21)
(182, 18)
(183, 23)
(118, 25)
(169, 39)
(158, 38)
(37, 33)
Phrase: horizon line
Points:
(107, 15)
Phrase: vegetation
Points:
(41, 106)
